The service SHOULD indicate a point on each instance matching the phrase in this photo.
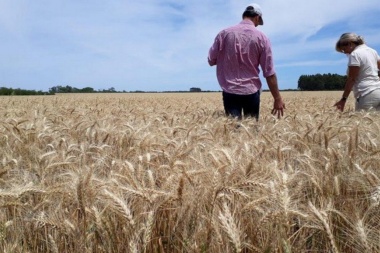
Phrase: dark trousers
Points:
(235, 105)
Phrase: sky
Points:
(162, 45)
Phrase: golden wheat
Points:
(170, 173)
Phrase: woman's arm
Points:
(353, 73)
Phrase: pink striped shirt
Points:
(237, 52)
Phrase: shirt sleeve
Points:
(213, 52)
(353, 60)
(266, 58)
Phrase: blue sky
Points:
(162, 45)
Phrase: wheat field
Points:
(170, 173)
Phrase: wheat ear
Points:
(322, 216)
(230, 227)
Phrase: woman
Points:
(363, 76)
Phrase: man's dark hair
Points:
(249, 12)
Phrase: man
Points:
(238, 51)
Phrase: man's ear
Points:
(257, 20)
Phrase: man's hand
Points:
(278, 107)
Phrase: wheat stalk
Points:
(230, 227)
(322, 216)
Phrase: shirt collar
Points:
(359, 46)
(247, 22)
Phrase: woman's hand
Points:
(340, 104)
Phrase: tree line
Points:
(14, 92)
(69, 89)
(305, 83)
(321, 82)
(52, 91)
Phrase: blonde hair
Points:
(347, 38)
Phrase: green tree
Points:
(321, 82)
(87, 90)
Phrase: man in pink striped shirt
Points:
(237, 52)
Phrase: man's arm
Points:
(213, 52)
(278, 105)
